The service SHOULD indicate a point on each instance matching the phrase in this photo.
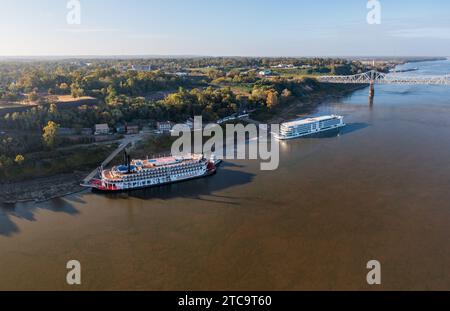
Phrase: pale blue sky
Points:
(231, 27)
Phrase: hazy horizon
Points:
(174, 56)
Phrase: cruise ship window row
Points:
(150, 182)
(139, 177)
(137, 183)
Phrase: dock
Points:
(125, 143)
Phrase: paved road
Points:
(129, 140)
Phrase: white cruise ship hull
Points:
(310, 134)
(309, 127)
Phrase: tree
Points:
(272, 99)
(285, 96)
(53, 110)
(64, 88)
(5, 162)
(258, 94)
(49, 134)
(214, 73)
(76, 91)
(19, 159)
(286, 93)
(111, 95)
(33, 96)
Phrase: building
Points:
(122, 68)
(181, 74)
(141, 68)
(164, 127)
(101, 129)
(132, 129)
(284, 66)
(265, 73)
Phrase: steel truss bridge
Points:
(375, 77)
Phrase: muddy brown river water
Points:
(380, 190)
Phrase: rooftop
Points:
(310, 120)
(102, 127)
(117, 172)
(165, 161)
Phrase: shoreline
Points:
(299, 109)
(41, 189)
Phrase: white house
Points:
(164, 127)
(265, 73)
(141, 68)
(101, 129)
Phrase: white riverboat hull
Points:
(140, 174)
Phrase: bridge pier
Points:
(372, 89)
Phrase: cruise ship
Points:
(139, 174)
(310, 126)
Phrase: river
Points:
(380, 190)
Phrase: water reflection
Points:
(228, 175)
(371, 100)
(354, 127)
(27, 211)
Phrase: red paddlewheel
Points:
(211, 166)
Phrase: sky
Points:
(224, 28)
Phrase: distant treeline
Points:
(98, 82)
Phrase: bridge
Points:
(374, 77)
(383, 78)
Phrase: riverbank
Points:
(301, 107)
(45, 188)
(41, 189)
(51, 174)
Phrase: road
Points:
(249, 120)
(128, 140)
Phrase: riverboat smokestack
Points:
(127, 161)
